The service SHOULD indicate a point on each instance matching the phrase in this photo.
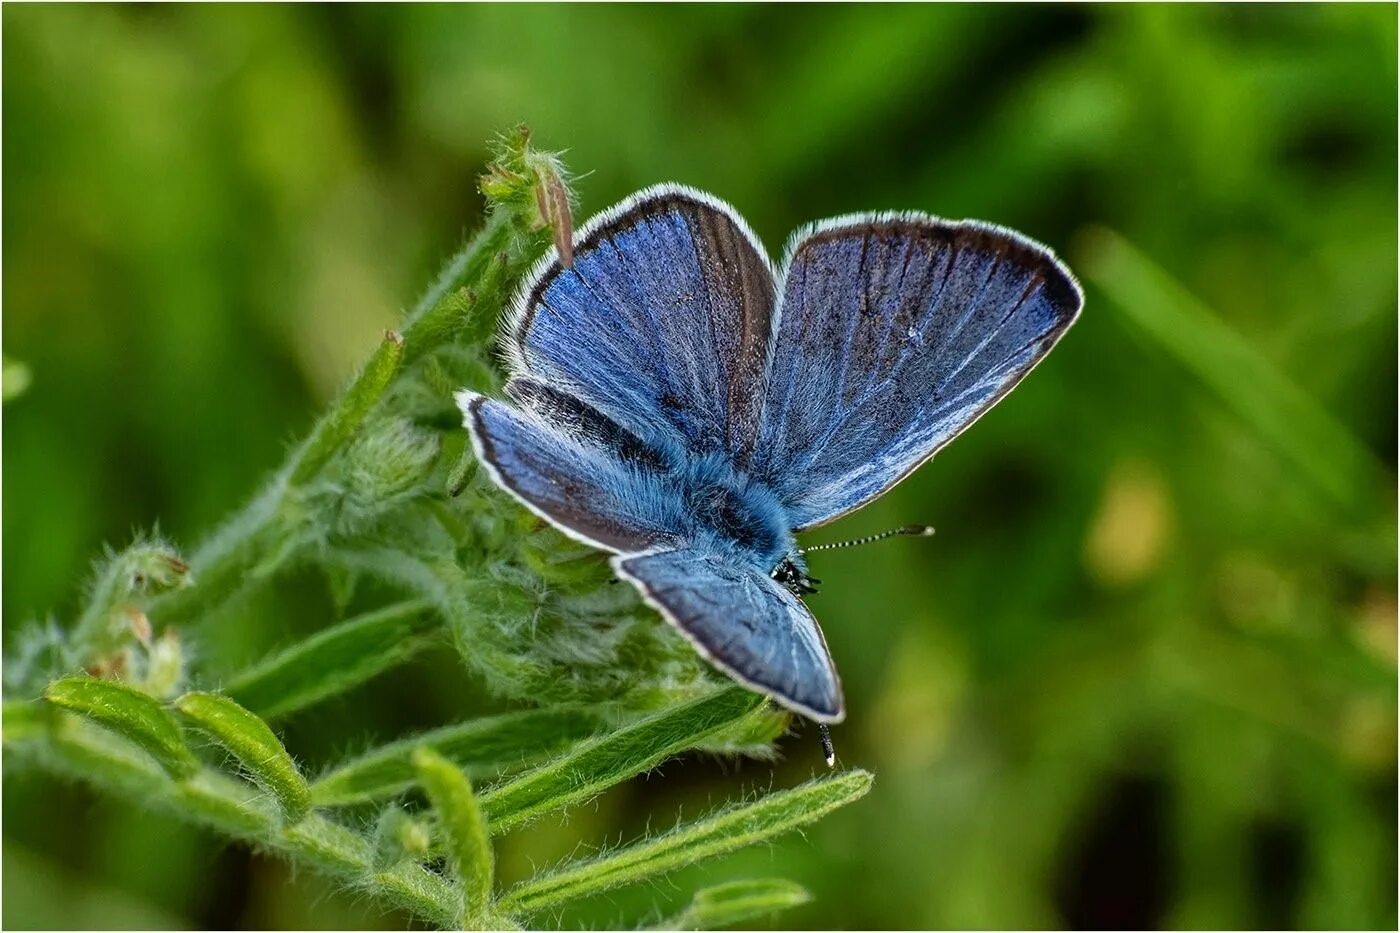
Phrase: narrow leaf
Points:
(1281, 414)
(463, 827)
(505, 241)
(439, 323)
(753, 735)
(719, 834)
(332, 661)
(482, 746)
(598, 764)
(129, 713)
(333, 430)
(727, 905)
(257, 749)
(462, 473)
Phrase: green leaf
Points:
(481, 746)
(1281, 414)
(463, 828)
(753, 735)
(252, 742)
(719, 834)
(727, 905)
(333, 661)
(340, 423)
(608, 760)
(462, 472)
(520, 182)
(442, 321)
(425, 325)
(129, 713)
(492, 291)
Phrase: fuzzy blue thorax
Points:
(731, 512)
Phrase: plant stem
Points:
(463, 287)
(239, 809)
(261, 536)
(332, 431)
(466, 266)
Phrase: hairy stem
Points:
(257, 540)
(239, 809)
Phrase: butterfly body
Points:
(731, 510)
(678, 401)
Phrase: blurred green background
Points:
(1145, 675)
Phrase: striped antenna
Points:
(913, 531)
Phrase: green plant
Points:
(384, 494)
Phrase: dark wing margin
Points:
(661, 322)
(893, 334)
(572, 477)
(745, 624)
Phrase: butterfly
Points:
(676, 400)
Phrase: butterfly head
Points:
(791, 573)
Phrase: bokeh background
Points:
(1145, 675)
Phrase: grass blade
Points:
(333, 661)
(608, 760)
(727, 905)
(481, 746)
(1284, 416)
(130, 713)
(718, 834)
(253, 743)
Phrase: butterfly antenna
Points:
(912, 531)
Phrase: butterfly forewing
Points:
(893, 335)
(661, 322)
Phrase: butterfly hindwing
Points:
(661, 322)
(569, 474)
(893, 335)
(744, 622)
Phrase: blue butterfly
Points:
(678, 401)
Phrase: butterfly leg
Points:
(828, 750)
